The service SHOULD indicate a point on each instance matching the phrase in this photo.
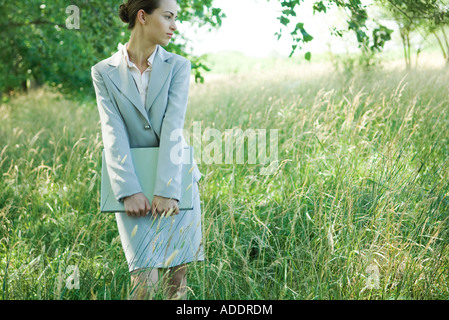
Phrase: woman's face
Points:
(160, 26)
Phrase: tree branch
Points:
(35, 22)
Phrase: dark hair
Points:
(128, 11)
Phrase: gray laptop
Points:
(146, 174)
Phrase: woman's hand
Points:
(137, 205)
(167, 205)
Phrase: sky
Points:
(250, 27)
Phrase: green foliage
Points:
(428, 17)
(371, 39)
(38, 43)
(357, 22)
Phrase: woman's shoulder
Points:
(113, 59)
(173, 57)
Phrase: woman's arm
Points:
(124, 181)
(168, 180)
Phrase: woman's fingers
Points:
(147, 206)
(137, 205)
(164, 206)
(154, 208)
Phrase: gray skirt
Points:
(162, 242)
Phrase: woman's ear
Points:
(141, 16)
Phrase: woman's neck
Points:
(140, 51)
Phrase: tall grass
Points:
(357, 208)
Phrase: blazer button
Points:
(147, 127)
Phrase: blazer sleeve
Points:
(124, 181)
(168, 178)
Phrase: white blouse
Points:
(141, 79)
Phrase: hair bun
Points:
(123, 13)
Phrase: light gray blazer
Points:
(126, 123)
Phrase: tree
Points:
(370, 41)
(46, 42)
(435, 25)
(430, 15)
(426, 17)
(407, 25)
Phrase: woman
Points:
(142, 93)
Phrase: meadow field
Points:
(357, 207)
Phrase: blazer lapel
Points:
(159, 74)
(122, 78)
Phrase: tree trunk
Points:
(405, 43)
(445, 39)
(441, 45)
(409, 50)
(447, 46)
